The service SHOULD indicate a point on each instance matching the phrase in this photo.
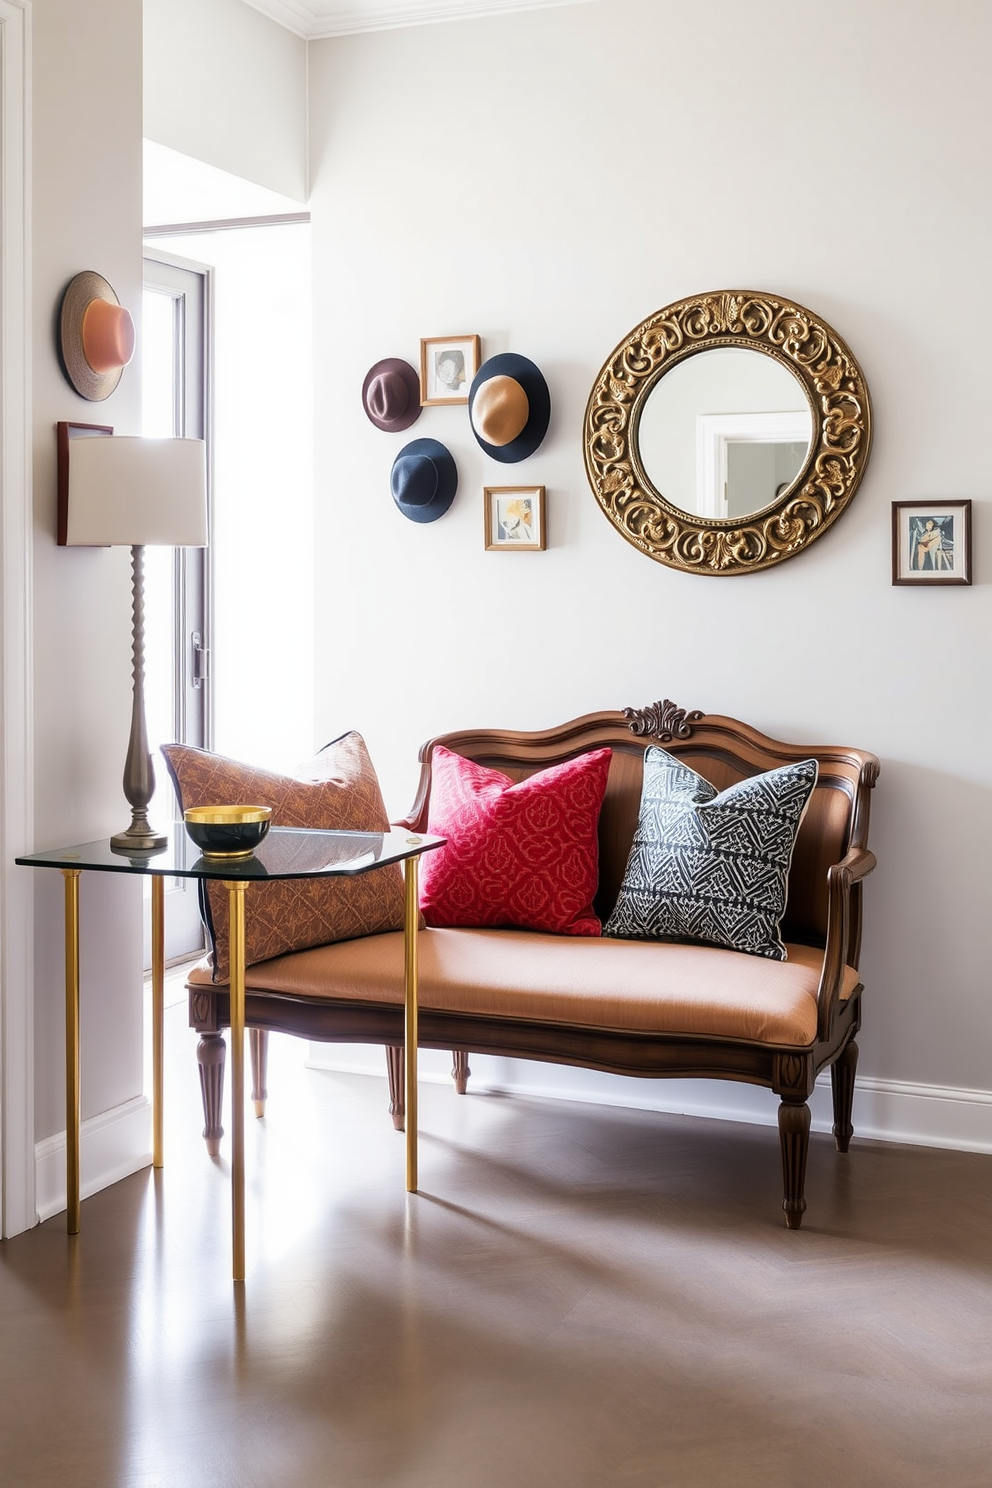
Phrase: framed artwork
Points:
(931, 542)
(447, 367)
(515, 519)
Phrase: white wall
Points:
(595, 164)
(227, 85)
(87, 215)
(261, 643)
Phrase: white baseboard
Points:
(886, 1110)
(112, 1146)
(924, 1115)
(117, 1142)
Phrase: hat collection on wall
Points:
(509, 409)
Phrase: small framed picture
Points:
(931, 542)
(447, 367)
(515, 519)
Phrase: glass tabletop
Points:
(286, 852)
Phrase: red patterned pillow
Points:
(523, 853)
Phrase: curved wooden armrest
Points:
(415, 820)
(857, 864)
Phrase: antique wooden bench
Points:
(644, 1008)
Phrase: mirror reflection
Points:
(725, 432)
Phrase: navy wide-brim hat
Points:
(423, 480)
(496, 407)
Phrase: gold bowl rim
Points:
(226, 815)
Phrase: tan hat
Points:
(500, 410)
(509, 407)
(96, 336)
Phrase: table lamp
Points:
(132, 492)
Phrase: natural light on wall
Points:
(259, 431)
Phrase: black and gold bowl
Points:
(227, 831)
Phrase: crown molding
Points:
(315, 20)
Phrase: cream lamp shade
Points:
(131, 492)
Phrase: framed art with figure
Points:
(447, 367)
(515, 519)
(931, 542)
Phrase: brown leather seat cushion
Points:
(636, 986)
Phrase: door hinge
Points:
(201, 660)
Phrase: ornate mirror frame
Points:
(835, 389)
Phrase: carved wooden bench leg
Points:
(460, 1070)
(258, 1039)
(842, 1073)
(211, 1053)
(397, 1084)
(793, 1126)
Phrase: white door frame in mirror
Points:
(715, 431)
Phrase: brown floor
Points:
(579, 1298)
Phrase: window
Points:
(174, 403)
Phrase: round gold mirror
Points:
(727, 432)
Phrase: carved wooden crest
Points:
(663, 721)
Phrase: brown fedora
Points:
(96, 336)
(391, 395)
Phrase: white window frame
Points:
(182, 915)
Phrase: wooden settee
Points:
(641, 1008)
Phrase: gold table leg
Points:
(411, 925)
(71, 877)
(236, 901)
(158, 1019)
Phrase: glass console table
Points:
(285, 853)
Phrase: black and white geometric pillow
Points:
(708, 865)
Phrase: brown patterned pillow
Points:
(337, 790)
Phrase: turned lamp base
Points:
(139, 838)
(139, 776)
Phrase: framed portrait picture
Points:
(515, 519)
(447, 366)
(931, 542)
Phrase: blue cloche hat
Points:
(423, 480)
